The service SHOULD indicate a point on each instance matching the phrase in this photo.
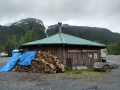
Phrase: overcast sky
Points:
(94, 13)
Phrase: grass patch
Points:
(84, 73)
(77, 72)
(68, 68)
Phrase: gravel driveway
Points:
(38, 81)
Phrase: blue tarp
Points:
(26, 58)
(11, 63)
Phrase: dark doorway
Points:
(69, 63)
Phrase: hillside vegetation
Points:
(91, 33)
(30, 29)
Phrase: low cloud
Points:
(94, 13)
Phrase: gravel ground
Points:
(38, 81)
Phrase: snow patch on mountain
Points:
(8, 24)
(19, 22)
(26, 22)
(15, 23)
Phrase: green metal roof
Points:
(63, 39)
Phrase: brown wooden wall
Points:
(80, 55)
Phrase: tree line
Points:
(114, 48)
(12, 43)
(13, 36)
(31, 35)
(90, 33)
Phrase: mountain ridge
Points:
(21, 27)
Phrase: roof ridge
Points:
(62, 39)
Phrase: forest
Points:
(11, 37)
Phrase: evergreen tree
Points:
(11, 45)
(14, 42)
(114, 48)
(31, 35)
(1, 48)
(8, 47)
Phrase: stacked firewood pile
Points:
(45, 62)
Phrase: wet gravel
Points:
(38, 81)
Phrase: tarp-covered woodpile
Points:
(44, 62)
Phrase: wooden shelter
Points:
(70, 50)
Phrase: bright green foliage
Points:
(31, 35)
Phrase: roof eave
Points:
(102, 46)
